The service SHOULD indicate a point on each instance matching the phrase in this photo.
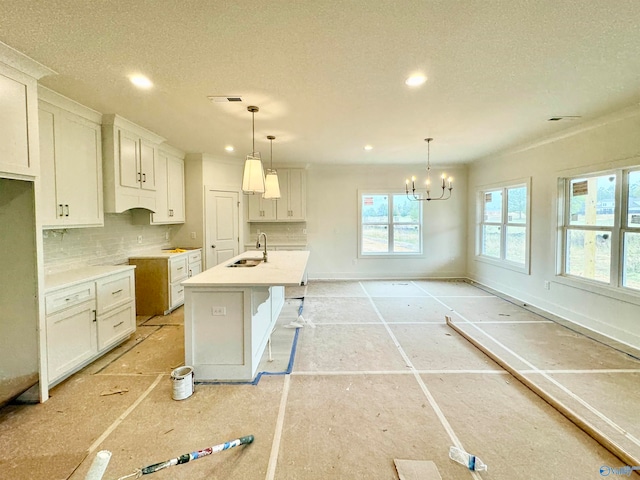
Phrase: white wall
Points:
(332, 225)
(608, 142)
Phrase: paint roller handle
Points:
(246, 440)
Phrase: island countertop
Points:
(283, 267)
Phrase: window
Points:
(503, 236)
(601, 228)
(390, 224)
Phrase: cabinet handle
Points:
(60, 206)
(139, 177)
(67, 207)
(171, 212)
(180, 268)
(118, 324)
(116, 292)
(190, 272)
(95, 315)
(144, 178)
(68, 299)
(180, 291)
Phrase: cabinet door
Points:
(175, 174)
(297, 195)
(255, 207)
(162, 192)
(48, 206)
(268, 209)
(147, 165)
(128, 158)
(71, 339)
(195, 268)
(15, 92)
(78, 170)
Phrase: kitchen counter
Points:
(70, 278)
(230, 313)
(285, 268)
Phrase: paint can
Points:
(182, 378)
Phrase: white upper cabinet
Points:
(19, 114)
(261, 209)
(292, 204)
(70, 163)
(129, 165)
(169, 184)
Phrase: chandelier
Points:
(445, 184)
(253, 176)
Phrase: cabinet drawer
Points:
(195, 257)
(68, 297)
(177, 268)
(116, 325)
(114, 290)
(177, 294)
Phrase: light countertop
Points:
(283, 267)
(69, 278)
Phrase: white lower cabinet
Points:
(87, 319)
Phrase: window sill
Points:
(618, 293)
(504, 264)
(390, 255)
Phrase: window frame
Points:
(504, 223)
(390, 223)
(615, 286)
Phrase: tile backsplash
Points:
(113, 244)
(280, 232)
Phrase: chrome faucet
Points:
(264, 254)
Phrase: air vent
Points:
(565, 117)
(225, 98)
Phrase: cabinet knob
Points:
(213, 246)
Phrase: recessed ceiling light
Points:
(415, 80)
(140, 81)
(368, 147)
(229, 148)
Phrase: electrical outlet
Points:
(218, 310)
(304, 231)
(193, 235)
(355, 261)
(547, 285)
(166, 235)
(139, 238)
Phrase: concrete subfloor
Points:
(377, 376)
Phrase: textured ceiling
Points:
(328, 76)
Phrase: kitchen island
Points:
(229, 313)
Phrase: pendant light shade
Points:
(253, 180)
(272, 186)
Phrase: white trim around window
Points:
(503, 232)
(389, 225)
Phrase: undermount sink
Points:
(246, 262)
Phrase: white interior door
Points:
(222, 227)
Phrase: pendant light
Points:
(272, 187)
(253, 175)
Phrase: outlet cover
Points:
(139, 238)
(193, 235)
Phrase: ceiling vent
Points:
(225, 98)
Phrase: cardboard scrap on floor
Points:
(417, 470)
